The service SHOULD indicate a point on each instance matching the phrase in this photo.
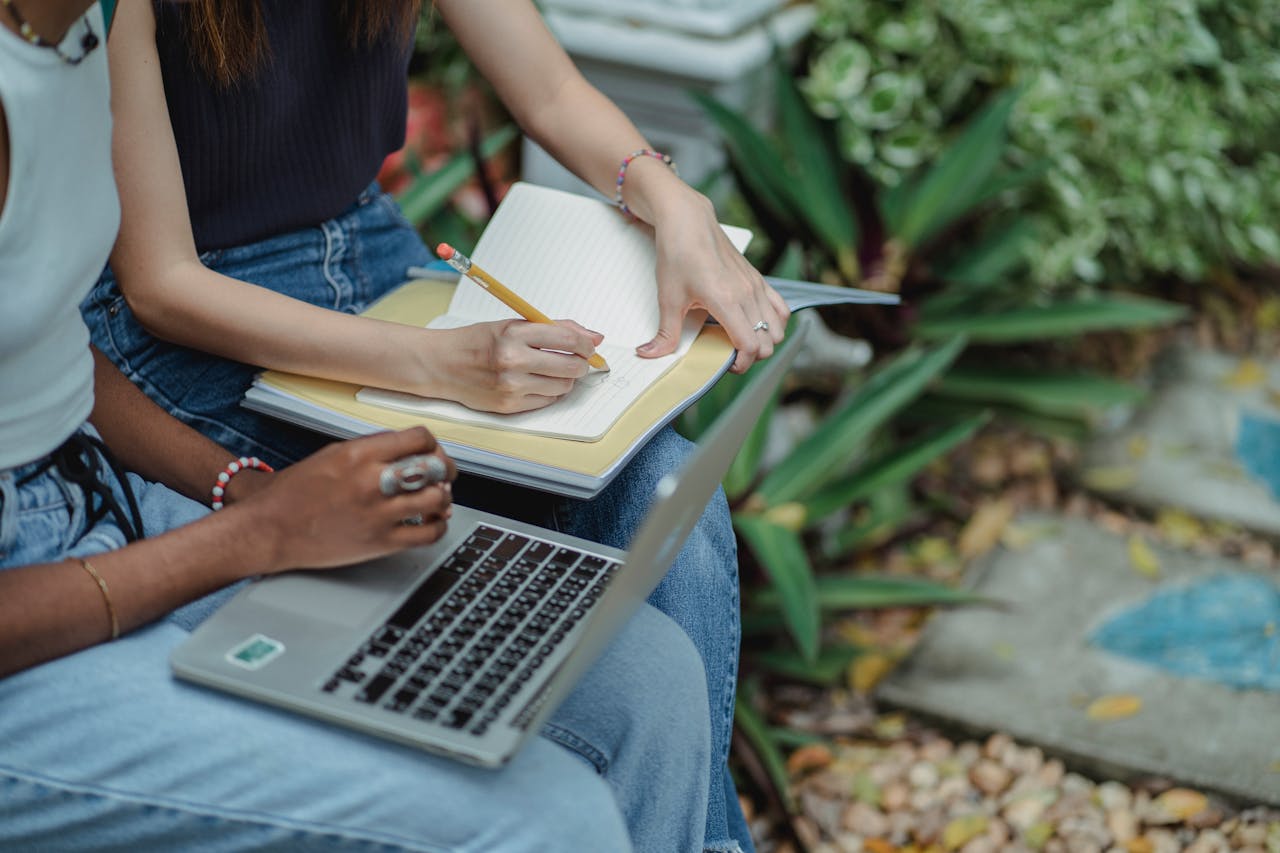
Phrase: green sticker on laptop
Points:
(256, 652)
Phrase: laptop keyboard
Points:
(465, 642)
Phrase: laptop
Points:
(463, 647)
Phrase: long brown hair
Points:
(228, 38)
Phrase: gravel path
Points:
(923, 792)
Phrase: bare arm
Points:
(489, 366)
(156, 446)
(698, 269)
(322, 512)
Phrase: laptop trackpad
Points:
(343, 596)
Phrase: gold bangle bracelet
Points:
(106, 595)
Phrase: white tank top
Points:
(57, 225)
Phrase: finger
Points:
(430, 503)
(667, 338)
(745, 339)
(558, 336)
(558, 367)
(390, 446)
(413, 535)
(596, 337)
(781, 311)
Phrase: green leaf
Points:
(825, 452)
(890, 509)
(1070, 395)
(931, 408)
(753, 728)
(793, 738)
(856, 592)
(699, 417)
(782, 556)
(1067, 318)
(896, 466)
(826, 670)
(956, 181)
(745, 468)
(1004, 181)
(989, 260)
(429, 193)
(759, 161)
(818, 187)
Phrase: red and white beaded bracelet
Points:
(622, 174)
(235, 467)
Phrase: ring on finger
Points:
(411, 474)
(760, 326)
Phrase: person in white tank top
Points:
(102, 573)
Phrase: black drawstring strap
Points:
(79, 461)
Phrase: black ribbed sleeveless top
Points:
(294, 145)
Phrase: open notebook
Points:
(571, 257)
(592, 266)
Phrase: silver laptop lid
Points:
(678, 502)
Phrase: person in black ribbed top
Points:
(247, 138)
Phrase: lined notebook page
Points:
(573, 258)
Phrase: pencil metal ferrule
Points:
(460, 262)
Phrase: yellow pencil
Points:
(463, 264)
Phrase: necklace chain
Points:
(87, 42)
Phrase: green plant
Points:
(1156, 121)
(847, 485)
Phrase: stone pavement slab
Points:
(1184, 448)
(1029, 670)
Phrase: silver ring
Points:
(411, 474)
(762, 326)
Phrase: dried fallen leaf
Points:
(1017, 537)
(878, 845)
(1267, 316)
(1114, 706)
(963, 829)
(867, 669)
(1179, 527)
(1179, 804)
(808, 757)
(1248, 374)
(1141, 844)
(890, 726)
(986, 525)
(791, 515)
(1110, 478)
(1038, 834)
(1142, 558)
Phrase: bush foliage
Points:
(1158, 119)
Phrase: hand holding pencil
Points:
(512, 300)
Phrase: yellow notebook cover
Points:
(570, 467)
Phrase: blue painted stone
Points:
(1224, 628)
(1258, 448)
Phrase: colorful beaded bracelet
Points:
(622, 174)
(235, 467)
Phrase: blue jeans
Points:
(347, 263)
(103, 749)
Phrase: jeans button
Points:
(114, 309)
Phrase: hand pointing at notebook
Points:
(700, 270)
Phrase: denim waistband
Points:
(84, 461)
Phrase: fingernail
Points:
(645, 347)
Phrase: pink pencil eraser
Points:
(445, 251)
